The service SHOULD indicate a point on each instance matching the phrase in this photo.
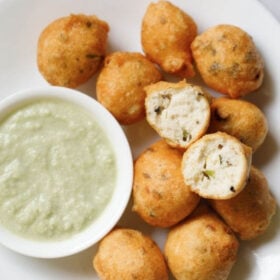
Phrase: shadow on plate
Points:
(245, 260)
(265, 94)
(266, 151)
(272, 232)
(140, 135)
(244, 264)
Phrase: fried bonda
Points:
(159, 194)
(127, 254)
(201, 247)
(120, 85)
(239, 118)
(71, 49)
(228, 60)
(250, 212)
(166, 35)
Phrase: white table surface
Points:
(273, 6)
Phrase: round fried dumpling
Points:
(250, 212)
(166, 35)
(239, 118)
(120, 85)
(228, 60)
(71, 49)
(217, 166)
(202, 247)
(127, 254)
(160, 195)
(179, 112)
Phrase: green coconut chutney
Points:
(57, 170)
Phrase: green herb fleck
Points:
(220, 159)
(215, 68)
(208, 173)
(250, 57)
(186, 135)
(94, 56)
(234, 70)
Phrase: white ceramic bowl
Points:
(114, 209)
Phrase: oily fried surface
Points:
(202, 247)
(250, 212)
(159, 194)
(239, 118)
(127, 254)
(228, 60)
(120, 85)
(166, 35)
(71, 49)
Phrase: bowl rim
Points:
(109, 217)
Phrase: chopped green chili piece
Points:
(208, 173)
(186, 135)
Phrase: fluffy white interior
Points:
(216, 167)
(178, 114)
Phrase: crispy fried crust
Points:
(166, 35)
(228, 60)
(120, 85)
(127, 254)
(202, 247)
(71, 49)
(239, 118)
(160, 196)
(250, 212)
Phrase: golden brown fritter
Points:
(120, 85)
(228, 60)
(71, 49)
(159, 194)
(239, 118)
(201, 248)
(127, 254)
(250, 212)
(166, 35)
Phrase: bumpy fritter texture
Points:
(71, 49)
(160, 196)
(228, 60)
(120, 85)
(239, 118)
(127, 254)
(250, 212)
(179, 112)
(166, 35)
(201, 248)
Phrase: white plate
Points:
(21, 22)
